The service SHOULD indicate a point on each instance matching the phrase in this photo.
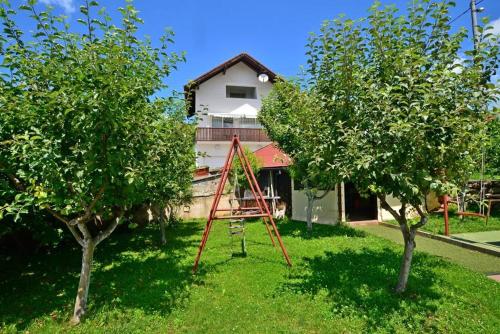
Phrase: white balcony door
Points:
(250, 123)
(222, 122)
(228, 122)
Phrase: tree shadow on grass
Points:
(131, 270)
(298, 229)
(359, 284)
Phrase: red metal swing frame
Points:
(261, 210)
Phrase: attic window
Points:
(240, 92)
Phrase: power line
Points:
(464, 12)
(459, 16)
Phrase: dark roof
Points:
(189, 89)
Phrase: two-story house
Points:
(227, 100)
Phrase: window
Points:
(250, 123)
(216, 122)
(240, 92)
(228, 122)
(222, 122)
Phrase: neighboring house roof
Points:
(272, 157)
(259, 68)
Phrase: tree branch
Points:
(419, 210)
(423, 218)
(422, 222)
(88, 211)
(104, 234)
(402, 211)
(71, 228)
(84, 229)
(324, 194)
(80, 220)
(18, 184)
(96, 198)
(89, 26)
(73, 231)
(386, 206)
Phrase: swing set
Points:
(238, 215)
(466, 196)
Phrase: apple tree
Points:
(81, 127)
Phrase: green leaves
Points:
(293, 119)
(81, 126)
(403, 112)
(237, 170)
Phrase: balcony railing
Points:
(226, 134)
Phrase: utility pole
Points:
(475, 36)
(475, 30)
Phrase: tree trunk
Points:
(409, 239)
(409, 233)
(83, 285)
(310, 203)
(162, 228)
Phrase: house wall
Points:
(384, 215)
(200, 207)
(325, 210)
(216, 152)
(212, 95)
(203, 196)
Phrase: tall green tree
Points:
(292, 118)
(172, 143)
(81, 132)
(405, 110)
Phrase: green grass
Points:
(484, 263)
(466, 225)
(341, 282)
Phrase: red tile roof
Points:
(271, 157)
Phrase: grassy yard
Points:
(468, 224)
(340, 283)
(476, 261)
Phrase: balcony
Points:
(226, 134)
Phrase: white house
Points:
(228, 99)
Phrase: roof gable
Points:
(242, 57)
(252, 63)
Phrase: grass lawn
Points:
(340, 283)
(468, 224)
(476, 261)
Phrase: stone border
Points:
(456, 242)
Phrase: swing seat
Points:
(470, 214)
(235, 226)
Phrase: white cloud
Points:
(496, 26)
(458, 61)
(67, 5)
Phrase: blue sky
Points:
(273, 31)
